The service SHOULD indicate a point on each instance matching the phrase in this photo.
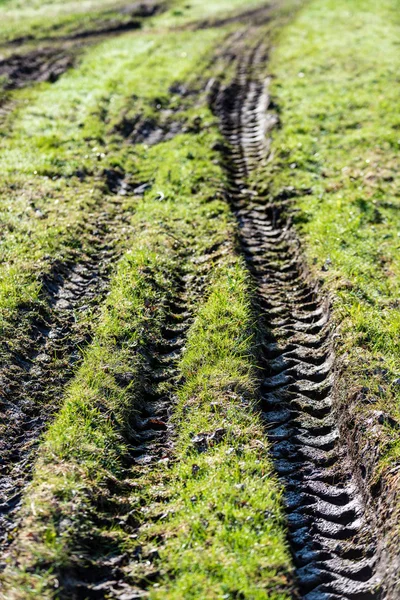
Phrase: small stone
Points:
(239, 486)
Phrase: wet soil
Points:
(247, 18)
(331, 532)
(44, 64)
(103, 574)
(33, 377)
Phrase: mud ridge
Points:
(331, 533)
(33, 378)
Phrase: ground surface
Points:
(200, 375)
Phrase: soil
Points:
(248, 18)
(44, 64)
(34, 376)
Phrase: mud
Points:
(169, 118)
(151, 131)
(331, 532)
(45, 64)
(248, 18)
(33, 378)
(152, 441)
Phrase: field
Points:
(199, 300)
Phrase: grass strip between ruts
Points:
(223, 532)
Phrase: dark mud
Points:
(151, 130)
(331, 533)
(246, 18)
(169, 118)
(103, 575)
(33, 377)
(45, 64)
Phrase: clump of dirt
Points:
(150, 130)
(43, 64)
(143, 9)
(168, 119)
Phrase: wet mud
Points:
(33, 378)
(331, 532)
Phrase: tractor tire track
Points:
(331, 534)
(151, 442)
(32, 379)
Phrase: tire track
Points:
(151, 441)
(331, 535)
(32, 379)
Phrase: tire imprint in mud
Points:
(152, 441)
(33, 378)
(331, 535)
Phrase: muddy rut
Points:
(330, 532)
(33, 378)
(151, 441)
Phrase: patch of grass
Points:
(88, 441)
(225, 533)
(242, 548)
(42, 19)
(59, 140)
(336, 70)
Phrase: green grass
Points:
(215, 517)
(239, 541)
(336, 69)
(179, 13)
(88, 441)
(43, 19)
(64, 131)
